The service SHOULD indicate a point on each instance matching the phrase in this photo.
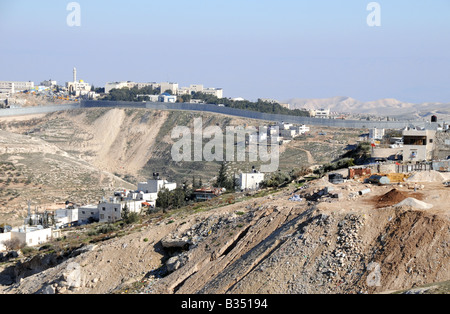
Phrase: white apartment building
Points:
(320, 113)
(173, 87)
(12, 87)
(196, 88)
(376, 134)
(112, 211)
(217, 92)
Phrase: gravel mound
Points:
(414, 203)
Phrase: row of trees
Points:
(131, 94)
(260, 105)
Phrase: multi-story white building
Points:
(217, 92)
(320, 113)
(112, 211)
(376, 134)
(166, 86)
(14, 87)
(196, 88)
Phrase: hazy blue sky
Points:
(251, 48)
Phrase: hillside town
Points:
(13, 94)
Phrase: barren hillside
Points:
(35, 170)
(134, 143)
(270, 244)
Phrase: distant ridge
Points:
(383, 107)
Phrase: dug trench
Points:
(299, 250)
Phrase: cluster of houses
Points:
(281, 133)
(39, 228)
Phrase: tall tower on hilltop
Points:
(74, 74)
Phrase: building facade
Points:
(88, 213)
(376, 134)
(154, 186)
(320, 113)
(251, 181)
(167, 86)
(112, 211)
(11, 87)
(418, 145)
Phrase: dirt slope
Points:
(270, 245)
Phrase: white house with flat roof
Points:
(251, 181)
(112, 211)
(66, 216)
(154, 186)
(418, 144)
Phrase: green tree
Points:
(223, 179)
(125, 212)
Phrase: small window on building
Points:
(103, 208)
(431, 140)
(83, 213)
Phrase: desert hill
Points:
(382, 107)
(263, 244)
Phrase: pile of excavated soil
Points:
(392, 197)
